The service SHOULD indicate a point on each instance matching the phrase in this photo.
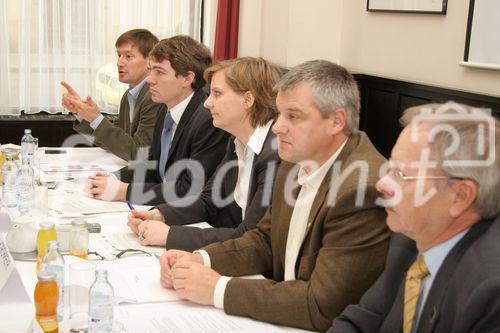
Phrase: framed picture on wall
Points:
(408, 6)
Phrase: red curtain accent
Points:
(226, 30)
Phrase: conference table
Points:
(141, 304)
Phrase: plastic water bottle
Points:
(9, 191)
(101, 303)
(28, 146)
(25, 183)
(53, 262)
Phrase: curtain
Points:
(226, 30)
(44, 42)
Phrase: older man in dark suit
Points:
(443, 267)
(186, 146)
(323, 241)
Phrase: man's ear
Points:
(189, 78)
(465, 195)
(248, 99)
(338, 119)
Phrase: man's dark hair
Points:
(142, 38)
(185, 55)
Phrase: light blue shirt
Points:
(434, 258)
(132, 96)
(94, 123)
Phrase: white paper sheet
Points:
(78, 204)
(111, 243)
(140, 285)
(179, 317)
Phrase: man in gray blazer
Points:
(138, 112)
(441, 195)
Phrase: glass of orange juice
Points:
(79, 239)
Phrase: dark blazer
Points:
(226, 220)
(464, 297)
(195, 140)
(342, 254)
(126, 138)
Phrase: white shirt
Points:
(245, 154)
(434, 258)
(313, 182)
(176, 113)
(300, 215)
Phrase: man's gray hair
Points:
(333, 87)
(476, 156)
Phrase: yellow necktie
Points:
(417, 272)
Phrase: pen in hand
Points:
(130, 205)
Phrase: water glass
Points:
(81, 277)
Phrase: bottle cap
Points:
(46, 225)
(79, 222)
(27, 130)
(53, 243)
(46, 276)
(101, 272)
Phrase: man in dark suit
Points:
(322, 242)
(243, 103)
(138, 112)
(443, 268)
(186, 146)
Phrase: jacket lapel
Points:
(126, 113)
(253, 177)
(232, 173)
(191, 108)
(284, 214)
(140, 98)
(324, 188)
(433, 304)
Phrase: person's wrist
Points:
(166, 236)
(122, 191)
(197, 257)
(93, 116)
(156, 215)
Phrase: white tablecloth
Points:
(134, 316)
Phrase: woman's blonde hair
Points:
(255, 75)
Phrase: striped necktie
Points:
(413, 285)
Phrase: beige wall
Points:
(419, 48)
(286, 31)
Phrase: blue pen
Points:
(130, 205)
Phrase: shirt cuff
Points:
(96, 122)
(205, 256)
(220, 289)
